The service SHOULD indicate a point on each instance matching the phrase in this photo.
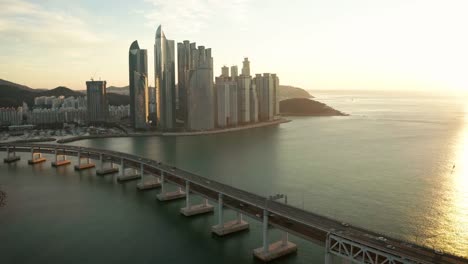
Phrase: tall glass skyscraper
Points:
(97, 106)
(184, 64)
(164, 69)
(138, 86)
(244, 82)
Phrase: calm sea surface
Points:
(398, 165)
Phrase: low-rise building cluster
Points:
(56, 110)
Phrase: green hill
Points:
(287, 92)
(306, 107)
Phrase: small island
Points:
(306, 107)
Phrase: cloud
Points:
(193, 16)
(25, 22)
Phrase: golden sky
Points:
(338, 44)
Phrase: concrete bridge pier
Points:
(197, 209)
(275, 250)
(147, 183)
(36, 157)
(167, 196)
(134, 175)
(222, 229)
(63, 161)
(11, 158)
(104, 171)
(83, 166)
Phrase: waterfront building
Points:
(184, 64)
(75, 115)
(200, 90)
(117, 113)
(164, 67)
(275, 94)
(97, 106)
(138, 86)
(234, 71)
(244, 83)
(152, 106)
(226, 101)
(246, 67)
(253, 103)
(224, 72)
(11, 116)
(266, 86)
(141, 101)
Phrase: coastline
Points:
(178, 134)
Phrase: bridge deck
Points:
(308, 225)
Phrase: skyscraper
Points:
(226, 101)
(97, 106)
(184, 64)
(253, 103)
(200, 91)
(224, 71)
(138, 86)
(164, 68)
(246, 67)
(141, 100)
(266, 89)
(244, 82)
(275, 94)
(234, 71)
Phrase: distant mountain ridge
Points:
(13, 94)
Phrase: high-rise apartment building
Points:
(224, 72)
(200, 90)
(234, 71)
(164, 67)
(253, 103)
(138, 86)
(275, 94)
(267, 87)
(184, 64)
(226, 101)
(244, 83)
(97, 106)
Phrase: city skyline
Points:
(334, 45)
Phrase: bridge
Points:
(341, 241)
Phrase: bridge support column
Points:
(11, 158)
(84, 166)
(197, 209)
(265, 230)
(148, 182)
(328, 255)
(275, 250)
(62, 162)
(128, 177)
(104, 171)
(36, 157)
(167, 196)
(222, 229)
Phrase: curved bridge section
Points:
(340, 240)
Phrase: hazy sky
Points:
(326, 44)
